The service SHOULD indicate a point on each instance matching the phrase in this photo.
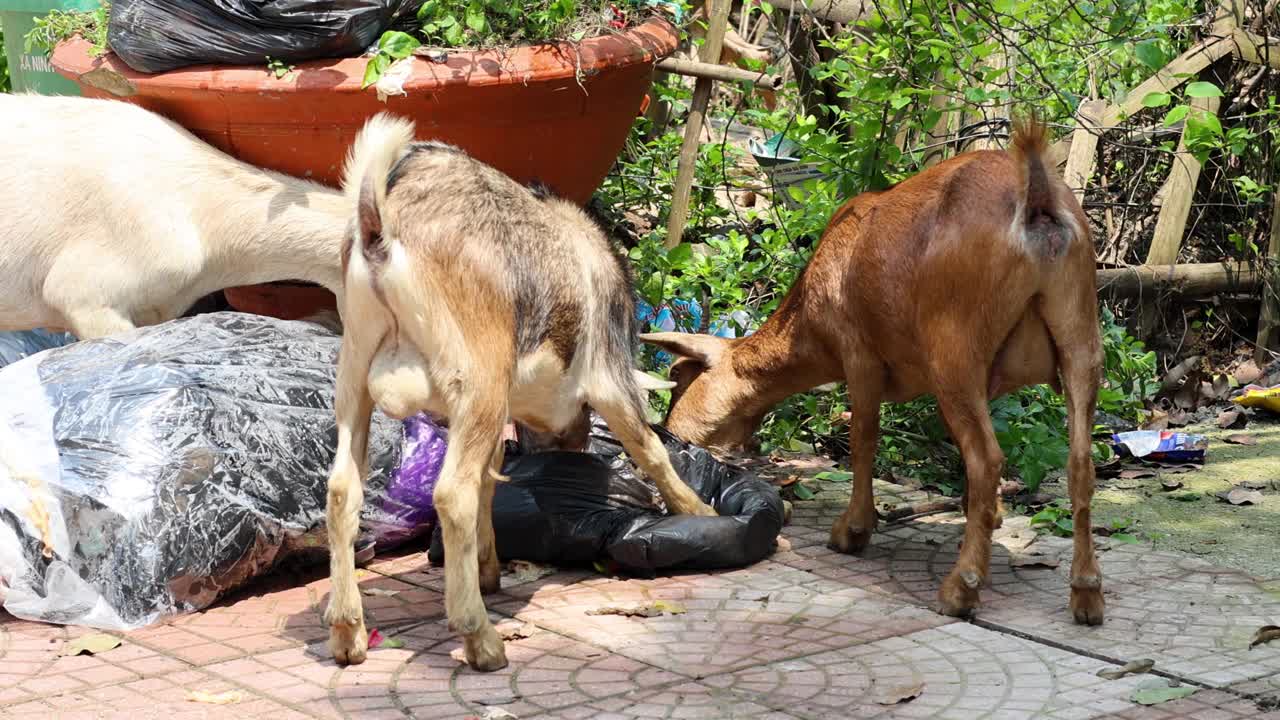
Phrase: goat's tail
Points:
(1047, 223)
(381, 143)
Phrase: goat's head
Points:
(707, 399)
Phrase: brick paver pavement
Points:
(807, 634)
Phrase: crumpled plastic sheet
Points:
(150, 473)
(158, 35)
(574, 509)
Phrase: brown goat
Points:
(475, 299)
(968, 281)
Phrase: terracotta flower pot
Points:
(558, 113)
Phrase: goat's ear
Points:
(368, 211)
(648, 382)
(706, 349)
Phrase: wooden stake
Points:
(1269, 318)
(1175, 206)
(1179, 190)
(1084, 147)
(693, 130)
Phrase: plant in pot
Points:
(545, 90)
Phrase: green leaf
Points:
(899, 101)
(1124, 538)
(1149, 54)
(397, 45)
(766, 8)
(1065, 525)
(803, 493)
(680, 255)
(1154, 691)
(453, 34)
(475, 17)
(834, 476)
(1203, 90)
(374, 69)
(392, 642)
(1205, 122)
(1156, 99)
(1176, 115)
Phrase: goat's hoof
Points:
(484, 650)
(490, 579)
(1087, 605)
(849, 540)
(958, 596)
(349, 642)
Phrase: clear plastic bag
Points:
(151, 473)
(157, 35)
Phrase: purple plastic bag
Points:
(411, 486)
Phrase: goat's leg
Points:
(490, 568)
(1080, 360)
(96, 322)
(852, 531)
(476, 425)
(353, 408)
(625, 418)
(967, 415)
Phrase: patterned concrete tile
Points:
(415, 569)
(160, 696)
(688, 700)
(761, 614)
(966, 672)
(1203, 705)
(1196, 625)
(421, 678)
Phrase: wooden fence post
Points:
(719, 14)
(1084, 146)
(1269, 317)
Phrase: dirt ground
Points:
(1246, 537)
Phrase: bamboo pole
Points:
(1187, 280)
(695, 69)
(1084, 147)
(719, 14)
(1269, 318)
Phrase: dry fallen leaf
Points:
(1265, 634)
(900, 693)
(224, 698)
(653, 609)
(379, 592)
(525, 571)
(1232, 419)
(1034, 559)
(1170, 484)
(494, 713)
(1136, 473)
(1240, 496)
(1133, 667)
(90, 644)
(515, 630)
(1240, 439)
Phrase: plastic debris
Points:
(1162, 445)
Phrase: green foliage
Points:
(60, 25)
(489, 23)
(478, 23)
(1055, 519)
(278, 67)
(4, 67)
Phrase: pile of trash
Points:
(153, 472)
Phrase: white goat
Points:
(114, 217)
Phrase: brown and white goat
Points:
(114, 217)
(476, 299)
(968, 281)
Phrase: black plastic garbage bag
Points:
(158, 35)
(150, 473)
(15, 346)
(572, 509)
